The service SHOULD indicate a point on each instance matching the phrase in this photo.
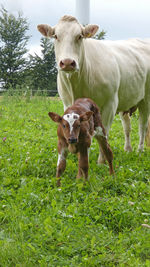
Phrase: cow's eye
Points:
(64, 126)
(55, 36)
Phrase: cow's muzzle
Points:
(67, 64)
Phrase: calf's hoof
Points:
(58, 183)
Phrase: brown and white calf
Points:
(76, 128)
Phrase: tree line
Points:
(18, 69)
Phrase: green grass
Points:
(92, 224)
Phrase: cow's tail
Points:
(147, 138)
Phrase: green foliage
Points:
(42, 69)
(13, 41)
(100, 35)
(39, 72)
(97, 223)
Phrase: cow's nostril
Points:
(73, 64)
(61, 64)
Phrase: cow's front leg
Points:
(144, 111)
(108, 114)
(125, 119)
(61, 163)
(83, 162)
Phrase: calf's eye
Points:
(55, 36)
(64, 126)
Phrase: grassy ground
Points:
(94, 224)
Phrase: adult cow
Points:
(115, 74)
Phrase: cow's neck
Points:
(73, 82)
(76, 84)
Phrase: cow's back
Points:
(122, 64)
(81, 105)
(133, 59)
(107, 69)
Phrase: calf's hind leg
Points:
(108, 115)
(104, 146)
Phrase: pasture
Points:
(94, 224)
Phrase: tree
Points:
(42, 68)
(12, 48)
(100, 36)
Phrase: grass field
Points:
(94, 224)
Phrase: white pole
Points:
(83, 11)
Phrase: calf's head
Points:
(69, 35)
(71, 124)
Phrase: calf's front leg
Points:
(61, 163)
(83, 164)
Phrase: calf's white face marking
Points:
(71, 118)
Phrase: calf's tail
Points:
(147, 138)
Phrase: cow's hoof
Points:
(128, 148)
(141, 148)
(101, 160)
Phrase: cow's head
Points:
(69, 35)
(70, 124)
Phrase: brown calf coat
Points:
(76, 127)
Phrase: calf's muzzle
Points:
(72, 140)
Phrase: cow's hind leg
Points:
(144, 111)
(125, 119)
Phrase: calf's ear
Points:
(86, 116)
(90, 30)
(46, 30)
(55, 117)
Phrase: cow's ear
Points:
(46, 30)
(90, 30)
(86, 116)
(55, 117)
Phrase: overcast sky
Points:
(122, 19)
